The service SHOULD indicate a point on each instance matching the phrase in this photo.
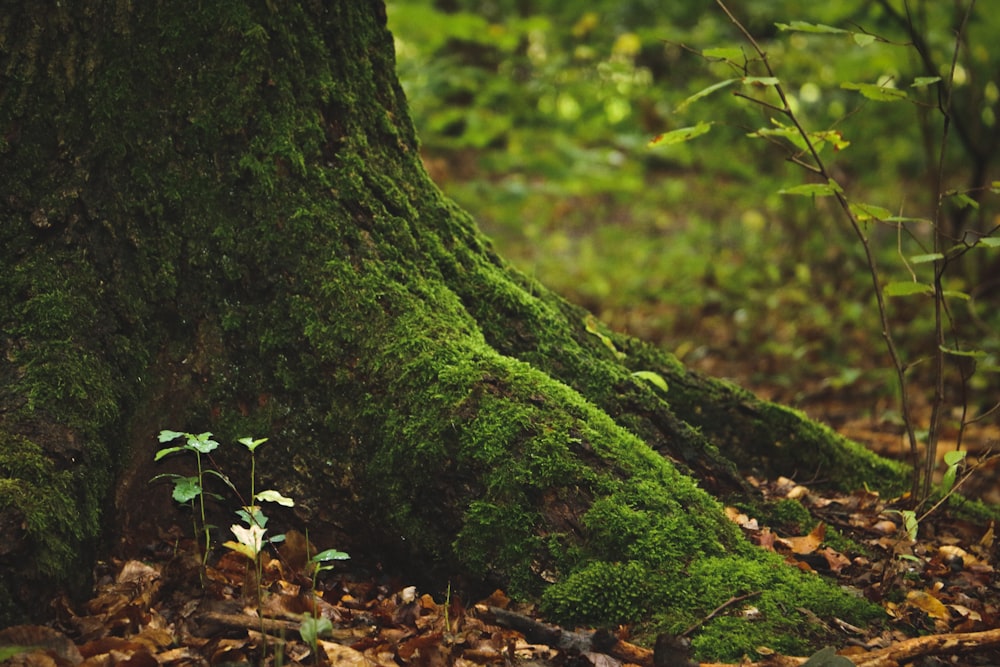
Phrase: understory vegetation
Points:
(538, 118)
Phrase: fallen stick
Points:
(599, 641)
(603, 642)
(947, 644)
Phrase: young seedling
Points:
(311, 628)
(250, 536)
(313, 625)
(189, 489)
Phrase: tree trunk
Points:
(214, 218)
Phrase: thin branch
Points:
(718, 610)
(859, 232)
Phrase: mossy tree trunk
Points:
(214, 218)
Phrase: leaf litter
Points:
(939, 593)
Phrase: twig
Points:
(599, 642)
(715, 612)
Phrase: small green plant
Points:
(190, 490)
(321, 562)
(311, 628)
(250, 533)
(313, 625)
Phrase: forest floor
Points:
(939, 592)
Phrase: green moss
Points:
(756, 434)
(59, 373)
(49, 504)
(604, 594)
(973, 509)
(772, 617)
(787, 516)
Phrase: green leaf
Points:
(962, 200)
(311, 629)
(802, 26)
(922, 81)
(681, 135)
(975, 354)
(252, 516)
(329, 554)
(591, 325)
(953, 458)
(833, 137)
(910, 524)
(813, 189)
(786, 132)
(653, 378)
(865, 212)
(955, 294)
(272, 496)
(948, 479)
(186, 489)
(761, 80)
(862, 39)
(925, 259)
(989, 241)
(705, 92)
(904, 219)
(201, 443)
(167, 436)
(876, 92)
(723, 53)
(907, 289)
(166, 451)
(251, 444)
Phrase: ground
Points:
(943, 582)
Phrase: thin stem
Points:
(940, 239)
(204, 521)
(856, 227)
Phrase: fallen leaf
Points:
(929, 604)
(806, 544)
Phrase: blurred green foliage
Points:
(537, 115)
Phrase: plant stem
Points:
(204, 521)
(821, 170)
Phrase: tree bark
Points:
(215, 218)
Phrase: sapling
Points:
(189, 489)
(313, 625)
(251, 533)
(250, 537)
(803, 148)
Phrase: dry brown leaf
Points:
(929, 604)
(986, 542)
(836, 560)
(806, 544)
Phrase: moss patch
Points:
(45, 499)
